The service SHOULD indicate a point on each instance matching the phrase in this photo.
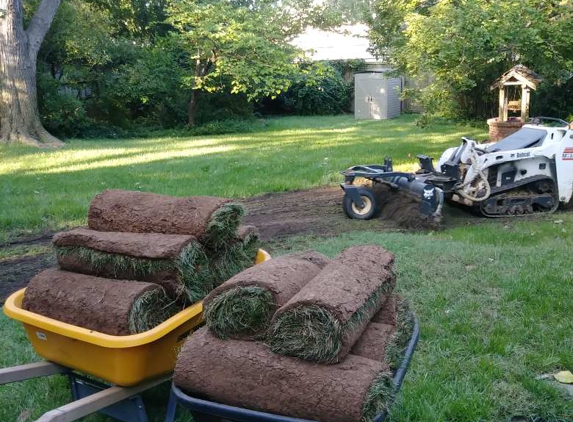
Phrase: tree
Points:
(466, 44)
(19, 116)
(244, 43)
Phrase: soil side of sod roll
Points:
(242, 307)
(387, 314)
(116, 307)
(247, 374)
(326, 317)
(373, 342)
(212, 220)
(177, 263)
(140, 245)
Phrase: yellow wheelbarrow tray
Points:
(121, 360)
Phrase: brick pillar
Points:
(499, 130)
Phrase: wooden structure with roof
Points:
(517, 76)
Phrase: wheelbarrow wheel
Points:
(354, 211)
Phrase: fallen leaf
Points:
(24, 415)
(564, 377)
(558, 222)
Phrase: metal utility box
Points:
(376, 96)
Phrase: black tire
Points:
(352, 211)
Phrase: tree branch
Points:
(40, 24)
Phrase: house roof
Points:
(518, 75)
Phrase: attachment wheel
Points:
(355, 212)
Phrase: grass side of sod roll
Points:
(149, 310)
(312, 332)
(241, 311)
(402, 333)
(379, 397)
(223, 226)
(191, 266)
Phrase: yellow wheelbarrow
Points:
(132, 364)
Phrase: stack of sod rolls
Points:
(303, 337)
(179, 249)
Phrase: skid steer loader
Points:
(530, 171)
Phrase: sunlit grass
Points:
(51, 189)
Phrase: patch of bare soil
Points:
(276, 215)
(16, 273)
(306, 212)
(319, 212)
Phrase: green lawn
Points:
(51, 189)
(494, 299)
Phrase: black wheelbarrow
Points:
(208, 411)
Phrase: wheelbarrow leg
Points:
(29, 371)
(171, 408)
(90, 404)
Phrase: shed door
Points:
(361, 98)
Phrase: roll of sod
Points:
(242, 307)
(178, 263)
(250, 238)
(246, 374)
(373, 342)
(325, 318)
(214, 221)
(116, 307)
(403, 330)
(387, 314)
(384, 342)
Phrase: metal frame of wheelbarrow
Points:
(208, 411)
(122, 403)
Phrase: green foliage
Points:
(125, 68)
(220, 107)
(325, 94)
(465, 45)
(226, 41)
(554, 101)
(320, 90)
(63, 114)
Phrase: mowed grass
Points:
(51, 189)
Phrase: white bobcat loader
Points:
(530, 171)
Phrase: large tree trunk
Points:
(19, 115)
(192, 107)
